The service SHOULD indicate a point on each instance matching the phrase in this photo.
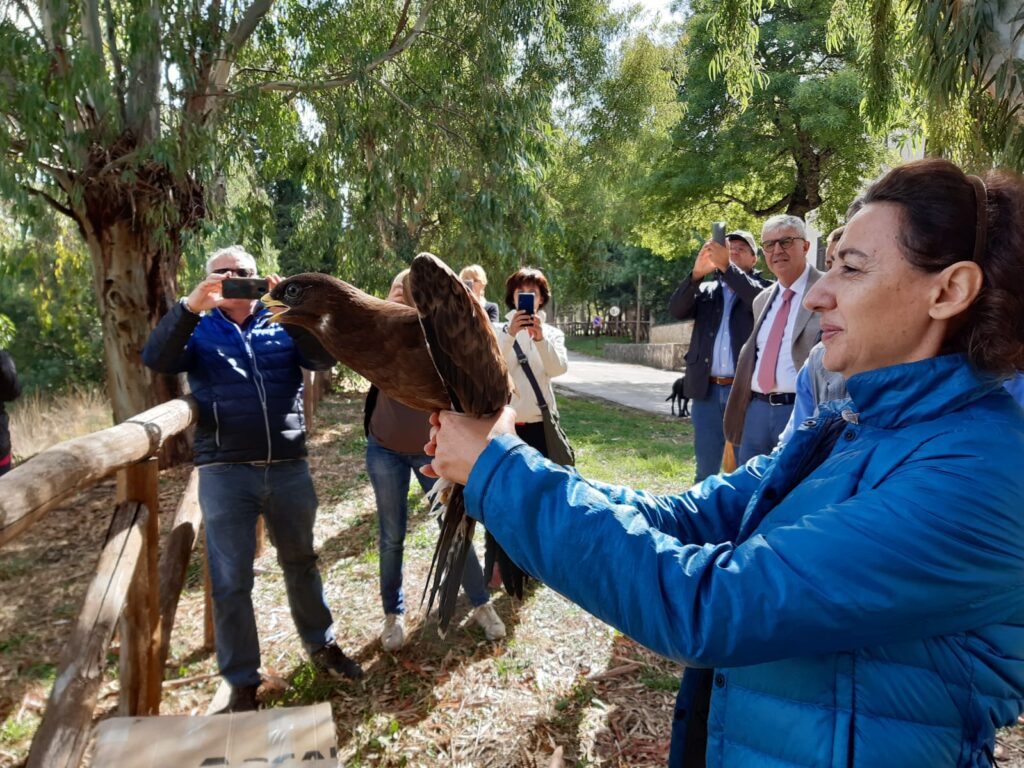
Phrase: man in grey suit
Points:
(764, 389)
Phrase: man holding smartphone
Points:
(723, 315)
(245, 374)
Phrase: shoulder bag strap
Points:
(521, 357)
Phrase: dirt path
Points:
(562, 678)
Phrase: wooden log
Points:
(209, 639)
(34, 487)
(141, 672)
(174, 559)
(64, 732)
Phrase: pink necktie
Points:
(770, 356)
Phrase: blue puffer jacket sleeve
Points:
(914, 555)
(167, 350)
(562, 527)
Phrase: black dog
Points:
(677, 396)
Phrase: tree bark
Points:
(136, 283)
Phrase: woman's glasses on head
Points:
(233, 271)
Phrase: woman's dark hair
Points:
(522, 276)
(939, 212)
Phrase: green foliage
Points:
(444, 149)
(658, 680)
(797, 144)
(51, 327)
(602, 159)
(948, 70)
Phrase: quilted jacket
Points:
(859, 595)
(246, 379)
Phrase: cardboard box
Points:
(302, 737)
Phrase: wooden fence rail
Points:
(136, 588)
(31, 489)
(617, 328)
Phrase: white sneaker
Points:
(392, 637)
(487, 617)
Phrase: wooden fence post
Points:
(174, 559)
(65, 731)
(141, 673)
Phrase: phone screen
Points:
(718, 232)
(526, 302)
(244, 288)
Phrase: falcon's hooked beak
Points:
(278, 308)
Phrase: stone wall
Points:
(668, 357)
(672, 333)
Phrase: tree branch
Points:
(237, 38)
(143, 104)
(390, 92)
(91, 27)
(27, 13)
(292, 86)
(51, 200)
(403, 20)
(115, 59)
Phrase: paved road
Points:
(634, 385)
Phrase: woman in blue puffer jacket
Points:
(857, 598)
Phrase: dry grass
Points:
(562, 678)
(39, 421)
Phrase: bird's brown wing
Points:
(466, 354)
(462, 343)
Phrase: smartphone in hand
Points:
(244, 288)
(526, 302)
(718, 232)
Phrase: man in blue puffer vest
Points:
(250, 448)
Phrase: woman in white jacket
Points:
(543, 347)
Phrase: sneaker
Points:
(392, 637)
(487, 617)
(332, 661)
(243, 699)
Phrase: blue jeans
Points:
(707, 416)
(231, 497)
(761, 429)
(389, 475)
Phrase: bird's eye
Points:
(292, 291)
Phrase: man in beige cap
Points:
(723, 315)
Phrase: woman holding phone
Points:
(526, 341)
(541, 347)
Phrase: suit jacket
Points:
(806, 333)
(705, 302)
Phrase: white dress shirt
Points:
(785, 371)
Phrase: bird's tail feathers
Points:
(513, 578)
(453, 546)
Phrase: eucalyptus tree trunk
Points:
(134, 280)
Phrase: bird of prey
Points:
(442, 355)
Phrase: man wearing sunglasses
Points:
(764, 390)
(245, 373)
